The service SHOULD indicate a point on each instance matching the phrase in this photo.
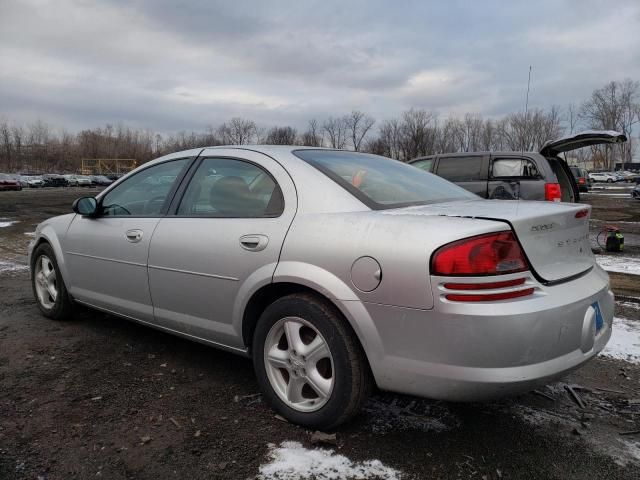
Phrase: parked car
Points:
(31, 181)
(8, 182)
(335, 270)
(635, 193)
(516, 175)
(114, 176)
(607, 177)
(581, 177)
(100, 180)
(54, 180)
(78, 180)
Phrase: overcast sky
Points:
(168, 66)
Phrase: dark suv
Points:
(581, 177)
(513, 175)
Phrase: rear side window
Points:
(461, 169)
(514, 167)
(230, 188)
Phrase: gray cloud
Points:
(172, 66)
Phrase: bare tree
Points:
(615, 106)
(7, 146)
(417, 133)
(281, 136)
(336, 131)
(312, 137)
(358, 125)
(238, 131)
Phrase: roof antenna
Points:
(526, 106)
(526, 113)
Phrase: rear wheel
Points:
(309, 364)
(48, 286)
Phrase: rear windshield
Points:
(380, 182)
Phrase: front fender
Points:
(51, 232)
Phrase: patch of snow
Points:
(613, 263)
(628, 195)
(30, 234)
(632, 449)
(292, 461)
(396, 415)
(633, 305)
(12, 267)
(625, 341)
(7, 223)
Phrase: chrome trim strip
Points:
(243, 351)
(199, 274)
(135, 264)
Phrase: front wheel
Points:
(47, 284)
(309, 364)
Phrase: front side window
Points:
(145, 193)
(425, 164)
(224, 187)
(461, 169)
(514, 167)
(380, 182)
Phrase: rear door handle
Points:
(254, 243)
(134, 236)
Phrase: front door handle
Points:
(134, 236)
(254, 243)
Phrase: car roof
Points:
(281, 152)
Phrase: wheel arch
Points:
(362, 328)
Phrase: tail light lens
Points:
(490, 254)
(552, 192)
(581, 181)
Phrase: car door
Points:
(468, 171)
(220, 242)
(107, 255)
(513, 177)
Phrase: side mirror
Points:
(86, 206)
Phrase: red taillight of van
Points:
(552, 192)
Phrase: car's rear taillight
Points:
(552, 192)
(582, 181)
(490, 254)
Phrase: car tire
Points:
(609, 180)
(344, 368)
(47, 278)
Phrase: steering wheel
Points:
(117, 209)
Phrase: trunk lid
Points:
(554, 236)
(582, 139)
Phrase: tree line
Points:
(38, 146)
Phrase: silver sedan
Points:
(335, 271)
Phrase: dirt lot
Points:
(100, 397)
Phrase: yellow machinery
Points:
(106, 166)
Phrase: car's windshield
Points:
(380, 182)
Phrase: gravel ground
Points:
(100, 397)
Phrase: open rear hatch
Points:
(554, 236)
(583, 139)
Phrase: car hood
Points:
(581, 139)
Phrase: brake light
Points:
(490, 254)
(582, 213)
(581, 181)
(485, 285)
(488, 297)
(552, 192)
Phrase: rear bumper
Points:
(470, 352)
